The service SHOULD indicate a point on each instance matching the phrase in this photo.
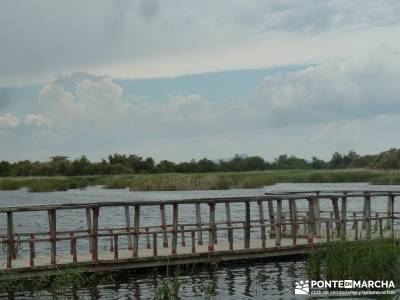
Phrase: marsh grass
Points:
(200, 181)
(61, 280)
(375, 260)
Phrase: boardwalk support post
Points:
(211, 227)
(229, 224)
(136, 231)
(198, 220)
(53, 235)
(164, 225)
(128, 226)
(247, 226)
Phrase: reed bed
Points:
(199, 181)
(373, 260)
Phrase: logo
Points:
(302, 287)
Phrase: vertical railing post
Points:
(148, 246)
(136, 223)
(343, 218)
(293, 220)
(128, 226)
(278, 223)
(367, 215)
(271, 218)
(211, 226)
(155, 244)
(311, 217)
(73, 245)
(95, 230)
(247, 226)
(328, 232)
(183, 236)
(116, 250)
(336, 214)
(10, 238)
(164, 225)
(229, 224)
(89, 228)
(390, 214)
(174, 228)
(198, 222)
(317, 215)
(262, 222)
(193, 241)
(53, 235)
(355, 230)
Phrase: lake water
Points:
(268, 280)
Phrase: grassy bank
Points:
(200, 181)
(376, 260)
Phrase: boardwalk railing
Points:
(290, 220)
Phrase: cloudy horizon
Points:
(189, 80)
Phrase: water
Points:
(271, 279)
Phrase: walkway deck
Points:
(286, 230)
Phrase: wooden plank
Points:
(95, 213)
(198, 220)
(247, 226)
(174, 228)
(164, 226)
(89, 227)
(128, 226)
(343, 219)
(136, 224)
(53, 233)
(271, 218)
(278, 223)
(211, 227)
(229, 224)
(262, 222)
(10, 238)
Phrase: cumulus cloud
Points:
(9, 121)
(344, 89)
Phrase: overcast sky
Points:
(191, 79)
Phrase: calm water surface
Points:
(268, 280)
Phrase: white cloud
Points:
(9, 121)
(157, 38)
(36, 120)
(344, 89)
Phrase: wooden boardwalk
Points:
(269, 226)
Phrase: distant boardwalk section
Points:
(114, 235)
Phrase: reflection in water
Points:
(268, 280)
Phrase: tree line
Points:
(131, 164)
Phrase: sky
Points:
(190, 79)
